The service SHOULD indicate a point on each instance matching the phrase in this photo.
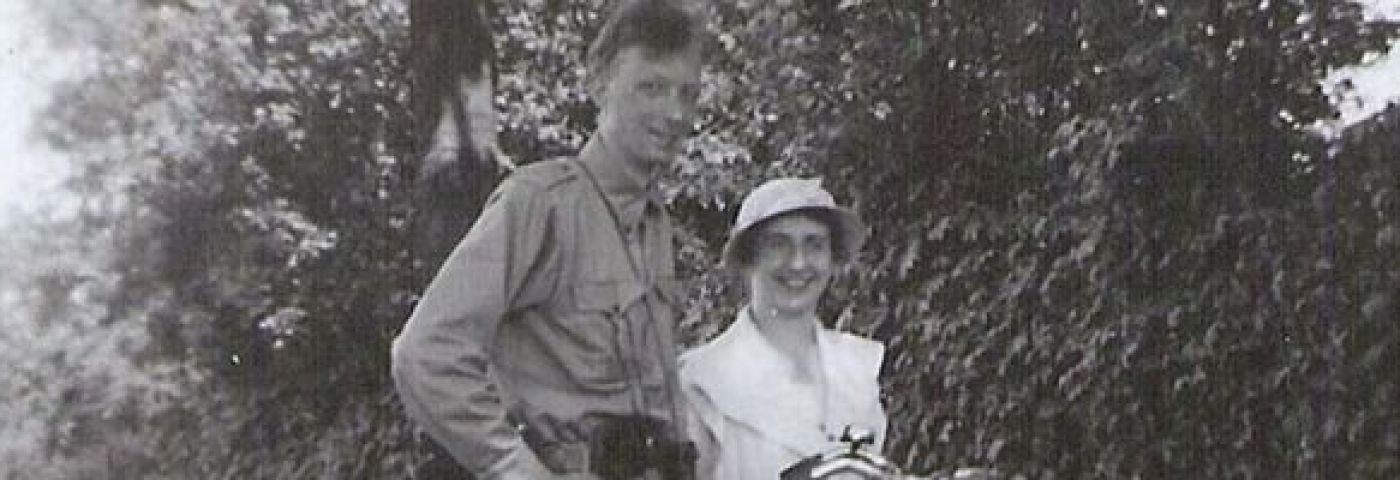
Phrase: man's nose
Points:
(676, 109)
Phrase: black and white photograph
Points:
(699, 239)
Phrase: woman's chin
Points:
(796, 308)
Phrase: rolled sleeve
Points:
(441, 360)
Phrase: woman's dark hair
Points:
(744, 251)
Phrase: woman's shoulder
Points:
(708, 357)
(863, 353)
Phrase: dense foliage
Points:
(1107, 241)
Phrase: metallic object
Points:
(854, 463)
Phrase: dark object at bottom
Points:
(624, 447)
(621, 448)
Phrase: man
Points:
(544, 348)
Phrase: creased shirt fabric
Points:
(752, 419)
(539, 309)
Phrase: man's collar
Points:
(612, 171)
(631, 193)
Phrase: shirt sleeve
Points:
(441, 360)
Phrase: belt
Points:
(571, 460)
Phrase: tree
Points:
(1105, 243)
(452, 52)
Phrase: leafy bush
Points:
(1106, 243)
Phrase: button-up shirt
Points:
(540, 309)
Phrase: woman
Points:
(776, 386)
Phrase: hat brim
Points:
(848, 225)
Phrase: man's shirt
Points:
(542, 308)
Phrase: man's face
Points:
(647, 106)
(792, 264)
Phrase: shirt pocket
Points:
(596, 326)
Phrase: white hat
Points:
(785, 195)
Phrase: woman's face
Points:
(792, 264)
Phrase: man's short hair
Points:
(660, 26)
(746, 253)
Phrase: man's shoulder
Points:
(545, 176)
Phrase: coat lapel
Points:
(749, 383)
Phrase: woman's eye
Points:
(774, 244)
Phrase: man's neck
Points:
(619, 177)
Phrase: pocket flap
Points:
(606, 295)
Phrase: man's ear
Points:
(595, 92)
(596, 87)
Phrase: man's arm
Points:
(441, 363)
